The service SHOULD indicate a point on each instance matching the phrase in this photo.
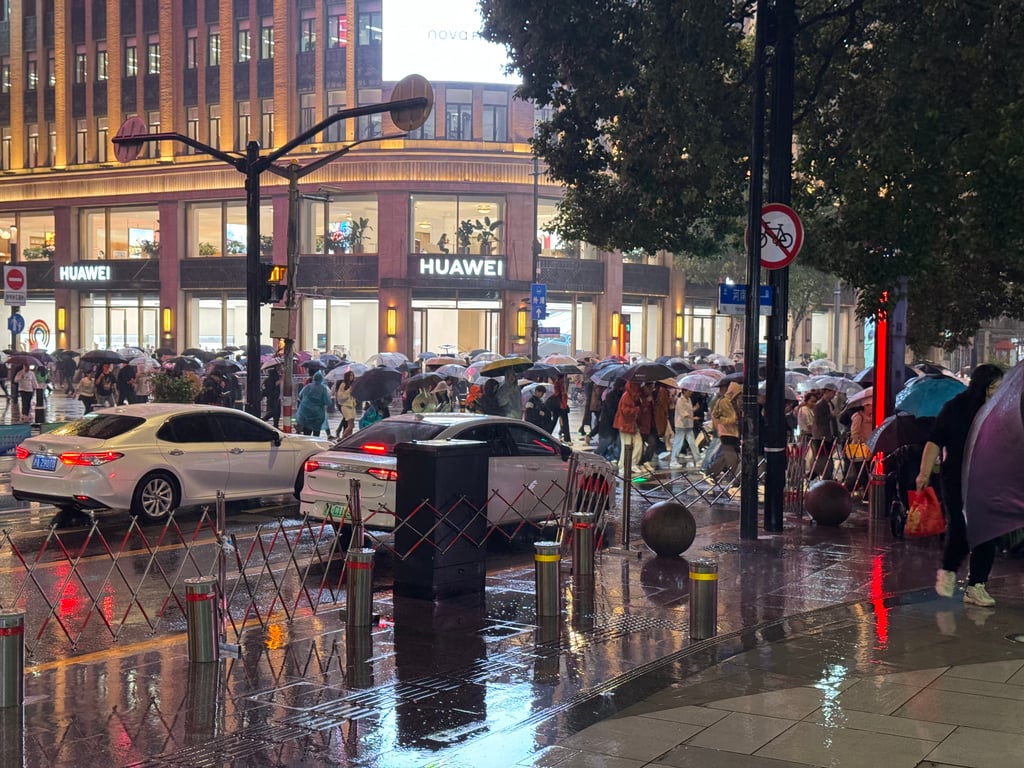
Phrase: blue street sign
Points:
(16, 323)
(538, 301)
(732, 299)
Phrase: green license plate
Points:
(338, 512)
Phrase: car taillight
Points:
(383, 474)
(21, 453)
(311, 466)
(377, 449)
(89, 459)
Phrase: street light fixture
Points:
(411, 101)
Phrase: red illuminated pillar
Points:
(882, 400)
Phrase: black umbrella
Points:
(645, 372)
(377, 383)
(102, 356)
(867, 376)
(425, 355)
(185, 362)
(266, 349)
(204, 355)
(67, 353)
(428, 380)
(737, 377)
(224, 364)
(41, 355)
(16, 361)
(330, 361)
(164, 351)
(898, 430)
(313, 365)
(607, 374)
(541, 372)
(701, 352)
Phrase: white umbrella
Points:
(821, 366)
(387, 359)
(338, 372)
(271, 363)
(861, 397)
(485, 357)
(145, 361)
(710, 373)
(451, 369)
(696, 383)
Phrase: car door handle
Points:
(176, 452)
(236, 451)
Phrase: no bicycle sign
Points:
(782, 235)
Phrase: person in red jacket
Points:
(626, 422)
(558, 407)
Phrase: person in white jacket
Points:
(26, 383)
(683, 425)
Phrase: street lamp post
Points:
(410, 105)
(12, 236)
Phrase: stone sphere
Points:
(828, 503)
(668, 528)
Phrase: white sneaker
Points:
(945, 582)
(675, 465)
(976, 594)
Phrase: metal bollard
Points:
(359, 586)
(583, 544)
(12, 658)
(703, 598)
(876, 489)
(201, 618)
(627, 493)
(545, 560)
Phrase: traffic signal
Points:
(272, 290)
(625, 329)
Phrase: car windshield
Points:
(381, 438)
(102, 426)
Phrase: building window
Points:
(454, 223)
(327, 227)
(215, 229)
(192, 127)
(243, 125)
(335, 103)
(120, 233)
(5, 78)
(81, 141)
(153, 55)
(495, 116)
(425, 131)
(307, 33)
(242, 48)
(307, 112)
(370, 26)
(337, 27)
(36, 238)
(267, 39)
(101, 64)
(32, 145)
(152, 148)
(102, 139)
(213, 50)
(51, 72)
(32, 74)
(192, 49)
(81, 66)
(267, 122)
(369, 127)
(131, 59)
(5, 149)
(458, 114)
(51, 143)
(213, 121)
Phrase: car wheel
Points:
(156, 497)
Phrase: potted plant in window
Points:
(357, 234)
(150, 247)
(207, 249)
(464, 235)
(485, 233)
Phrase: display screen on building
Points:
(440, 40)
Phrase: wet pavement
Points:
(831, 649)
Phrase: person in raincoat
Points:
(725, 416)
(313, 401)
(949, 436)
(346, 404)
(626, 417)
(511, 397)
(425, 401)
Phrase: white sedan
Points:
(151, 458)
(527, 468)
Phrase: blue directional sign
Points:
(732, 299)
(538, 301)
(16, 323)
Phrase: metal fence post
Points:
(703, 598)
(546, 559)
(355, 514)
(12, 658)
(627, 491)
(201, 617)
(359, 587)
(583, 543)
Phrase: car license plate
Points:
(338, 512)
(47, 463)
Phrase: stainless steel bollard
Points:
(627, 493)
(703, 598)
(545, 560)
(359, 587)
(583, 544)
(876, 489)
(12, 658)
(201, 618)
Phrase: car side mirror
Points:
(276, 441)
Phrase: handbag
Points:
(924, 518)
(857, 451)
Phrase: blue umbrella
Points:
(925, 395)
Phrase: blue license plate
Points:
(47, 463)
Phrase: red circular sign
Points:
(15, 279)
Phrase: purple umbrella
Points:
(993, 482)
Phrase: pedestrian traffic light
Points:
(625, 329)
(272, 290)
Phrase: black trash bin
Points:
(441, 518)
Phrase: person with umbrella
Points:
(271, 392)
(626, 417)
(511, 397)
(558, 408)
(5, 374)
(725, 417)
(607, 434)
(950, 435)
(536, 409)
(106, 383)
(823, 434)
(86, 389)
(683, 423)
(125, 384)
(26, 383)
(488, 403)
(346, 404)
(312, 411)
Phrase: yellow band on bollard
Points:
(547, 558)
(704, 576)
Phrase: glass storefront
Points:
(341, 327)
(120, 233)
(112, 321)
(40, 326)
(344, 224)
(29, 235)
(216, 322)
(219, 228)
(457, 224)
(455, 327)
(567, 330)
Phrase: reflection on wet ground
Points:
(806, 617)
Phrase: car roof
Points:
(445, 420)
(149, 410)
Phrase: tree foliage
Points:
(907, 119)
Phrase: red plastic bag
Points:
(924, 518)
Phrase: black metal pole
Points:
(535, 254)
(252, 277)
(751, 353)
(780, 174)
